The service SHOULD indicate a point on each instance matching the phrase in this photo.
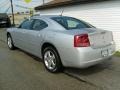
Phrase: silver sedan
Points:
(62, 41)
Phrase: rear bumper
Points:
(89, 56)
(93, 62)
(3, 22)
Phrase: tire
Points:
(10, 42)
(52, 60)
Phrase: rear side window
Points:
(39, 25)
(71, 23)
(26, 24)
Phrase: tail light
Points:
(81, 40)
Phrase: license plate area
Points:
(104, 53)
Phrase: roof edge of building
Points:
(48, 6)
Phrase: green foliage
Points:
(117, 53)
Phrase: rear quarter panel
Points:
(64, 43)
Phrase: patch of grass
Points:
(117, 53)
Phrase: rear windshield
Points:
(71, 23)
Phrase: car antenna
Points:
(62, 12)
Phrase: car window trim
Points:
(25, 21)
(63, 18)
(34, 23)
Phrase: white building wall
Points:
(46, 1)
(104, 15)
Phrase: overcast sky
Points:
(5, 5)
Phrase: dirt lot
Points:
(19, 18)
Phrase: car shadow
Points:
(86, 71)
(91, 70)
(32, 56)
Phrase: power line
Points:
(7, 9)
(4, 4)
(20, 6)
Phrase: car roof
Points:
(49, 21)
(46, 16)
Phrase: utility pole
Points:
(12, 12)
(43, 2)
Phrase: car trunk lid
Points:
(100, 38)
(97, 37)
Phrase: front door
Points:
(21, 40)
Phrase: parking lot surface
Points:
(21, 71)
